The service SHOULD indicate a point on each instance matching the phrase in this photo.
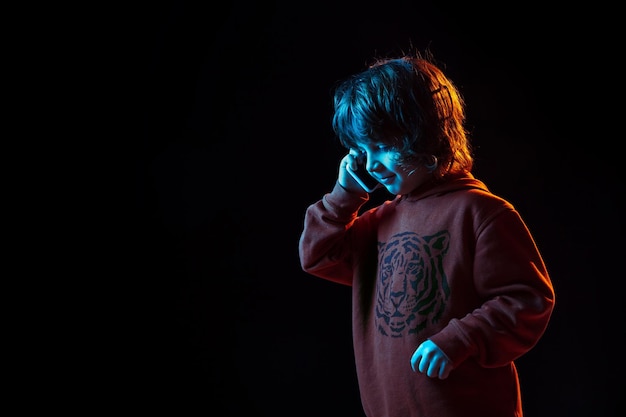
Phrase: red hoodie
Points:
(450, 262)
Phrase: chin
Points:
(392, 189)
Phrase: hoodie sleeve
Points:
(511, 278)
(322, 247)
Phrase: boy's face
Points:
(383, 163)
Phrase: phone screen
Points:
(364, 178)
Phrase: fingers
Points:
(350, 160)
(430, 360)
(415, 359)
(346, 180)
(353, 158)
(433, 367)
(444, 371)
(355, 153)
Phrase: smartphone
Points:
(364, 178)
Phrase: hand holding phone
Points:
(365, 180)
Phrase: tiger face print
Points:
(412, 289)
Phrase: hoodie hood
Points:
(450, 184)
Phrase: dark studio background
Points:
(236, 142)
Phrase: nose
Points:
(371, 163)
